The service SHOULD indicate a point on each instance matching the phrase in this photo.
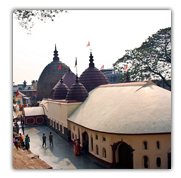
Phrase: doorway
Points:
(125, 156)
(85, 141)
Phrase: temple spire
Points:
(91, 64)
(56, 58)
(76, 79)
(61, 80)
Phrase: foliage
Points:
(25, 17)
(122, 78)
(151, 59)
(14, 102)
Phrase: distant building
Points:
(22, 101)
(28, 92)
(112, 75)
(34, 83)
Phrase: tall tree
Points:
(151, 59)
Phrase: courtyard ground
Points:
(58, 156)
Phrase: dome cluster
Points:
(64, 85)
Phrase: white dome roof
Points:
(127, 108)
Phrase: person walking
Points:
(27, 142)
(44, 140)
(51, 139)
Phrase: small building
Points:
(22, 100)
(112, 75)
(28, 91)
(34, 115)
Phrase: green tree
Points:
(26, 17)
(151, 59)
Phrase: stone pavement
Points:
(60, 155)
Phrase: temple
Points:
(123, 125)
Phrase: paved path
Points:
(61, 155)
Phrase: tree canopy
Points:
(151, 59)
(25, 17)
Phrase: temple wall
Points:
(104, 141)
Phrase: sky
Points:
(110, 33)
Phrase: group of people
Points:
(76, 143)
(17, 128)
(50, 139)
(20, 142)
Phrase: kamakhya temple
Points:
(124, 125)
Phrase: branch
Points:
(157, 73)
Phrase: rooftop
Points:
(126, 108)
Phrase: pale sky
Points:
(110, 33)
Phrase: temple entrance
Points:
(125, 157)
(85, 141)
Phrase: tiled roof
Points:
(23, 88)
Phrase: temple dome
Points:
(50, 75)
(60, 91)
(92, 77)
(77, 92)
(69, 79)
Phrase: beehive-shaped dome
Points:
(49, 77)
(69, 79)
(92, 77)
(60, 91)
(77, 92)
